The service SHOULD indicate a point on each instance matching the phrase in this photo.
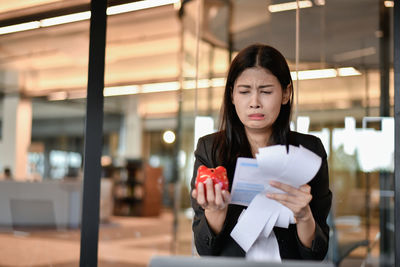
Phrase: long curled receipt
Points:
(252, 176)
(250, 185)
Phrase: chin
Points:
(258, 127)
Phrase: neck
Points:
(258, 139)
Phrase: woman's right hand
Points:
(214, 201)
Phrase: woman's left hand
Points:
(296, 199)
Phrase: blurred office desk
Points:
(40, 204)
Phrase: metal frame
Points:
(384, 58)
(93, 135)
(396, 63)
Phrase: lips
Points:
(256, 116)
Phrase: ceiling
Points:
(14, 6)
(143, 46)
(139, 48)
(339, 33)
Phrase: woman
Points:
(256, 113)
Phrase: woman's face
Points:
(258, 96)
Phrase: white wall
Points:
(16, 135)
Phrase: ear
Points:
(286, 94)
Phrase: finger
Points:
(302, 193)
(294, 208)
(305, 188)
(227, 196)
(296, 205)
(210, 191)
(194, 193)
(287, 200)
(284, 187)
(280, 197)
(218, 196)
(292, 199)
(200, 194)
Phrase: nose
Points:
(255, 106)
(254, 101)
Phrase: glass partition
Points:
(343, 109)
(205, 61)
(138, 164)
(339, 67)
(42, 66)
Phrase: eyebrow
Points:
(260, 87)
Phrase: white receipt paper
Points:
(250, 185)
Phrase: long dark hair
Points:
(232, 140)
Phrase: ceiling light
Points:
(121, 90)
(20, 27)
(191, 84)
(289, 6)
(65, 19)
(324, 73)
(169, 137)
(204, 83)
(389, 3)
(218, 82)
(139, 5)
(314, 74)
(349, 71)
(159, 87)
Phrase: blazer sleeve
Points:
(320, 206)
(206, 241)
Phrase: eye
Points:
(243, 92)
(266, 92)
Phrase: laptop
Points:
(187, 261)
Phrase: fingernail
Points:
(269, 195)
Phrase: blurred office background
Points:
(166, 64)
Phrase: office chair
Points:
(338, 251)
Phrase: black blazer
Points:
(290, 247)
